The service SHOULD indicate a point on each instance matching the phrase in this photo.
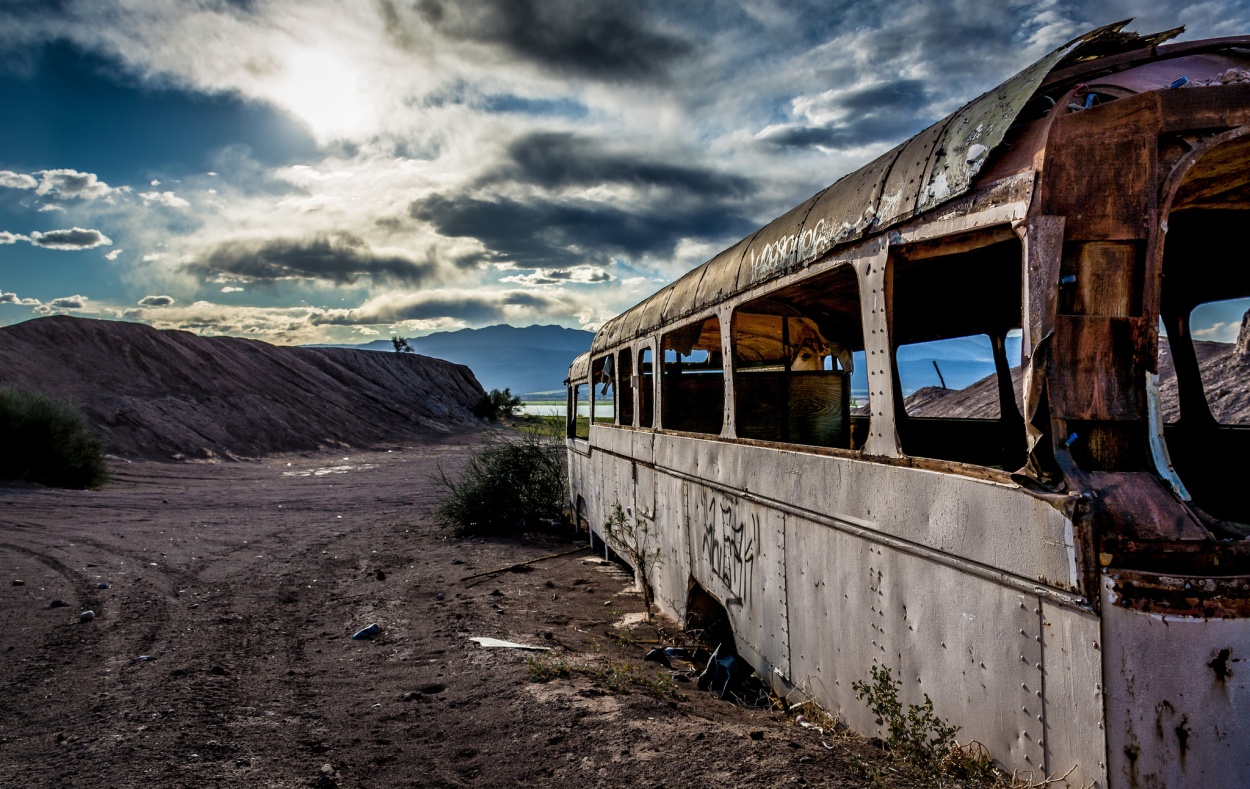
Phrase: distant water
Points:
(553, 409)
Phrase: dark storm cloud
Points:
(342, 259)
(156, 301)
(546, 233)
(74, 238)
(612, 42)
(560, 159)
(873, 114)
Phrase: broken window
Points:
(955, 377)
(956, 320)
(646, 388)
(578, 414)
(625, 372)
(692, 394)
(603, 390)
(1204, 369)
(799, 370)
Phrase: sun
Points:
(326, 91)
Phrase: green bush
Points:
(514, 479)
(46, 440)
(496, 404)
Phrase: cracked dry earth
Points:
(220, 655)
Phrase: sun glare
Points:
(325, 91)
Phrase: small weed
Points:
(622, 636)
(631, 541)
(918, 737)
(546, 666)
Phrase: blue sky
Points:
(305, 170)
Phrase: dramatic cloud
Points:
(560, 276)
(555, 160)
(495, 160)
(570, 38)
(72, 184)
(74, 238)
(341, 259)
(14, 180)
(549, 233)
(156, 301)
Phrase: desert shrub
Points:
(45, 440)
(916, 734)
(516, 478)
(496, 404)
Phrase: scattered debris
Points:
(144, 658)
(440, 596)
(18, 582)
(86, 616)
(372, 631)
(658, 655)
(381, 576)
(513, 567)
(495, 642)
(101, 585)
(58, 604)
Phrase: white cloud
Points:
(231, 289)
(156, 301)
(12, 298)
(163, 198)
(11, 238)
(113, 255)
(72, 239)
(13, 180)
(63, 305)
(71, 184)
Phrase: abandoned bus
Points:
(1053, 546)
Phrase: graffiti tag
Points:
(730, 544)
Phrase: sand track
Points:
(243, 582)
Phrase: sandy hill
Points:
(1225, 369)
(173, 394)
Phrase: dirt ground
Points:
(221, 651)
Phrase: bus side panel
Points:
(1178, 698)
(971, 645)
(1072, 662)
(671, 579)
(737, 554)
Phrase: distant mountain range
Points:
(526, 360)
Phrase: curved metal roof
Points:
(932, 168)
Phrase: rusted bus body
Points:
(1069, 581)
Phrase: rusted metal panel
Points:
(1215, 107)
(1100, 363)
(908, 176)
(1178, 697)
(1090, 150)
(780, 246)
(721, 276)
(1139, 506)
(1075, 732)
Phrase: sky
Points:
(304, 171)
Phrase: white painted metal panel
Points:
(971, 645)
(737, 554)
(1076, 738)
(1178, 698)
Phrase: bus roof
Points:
(932, 168)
